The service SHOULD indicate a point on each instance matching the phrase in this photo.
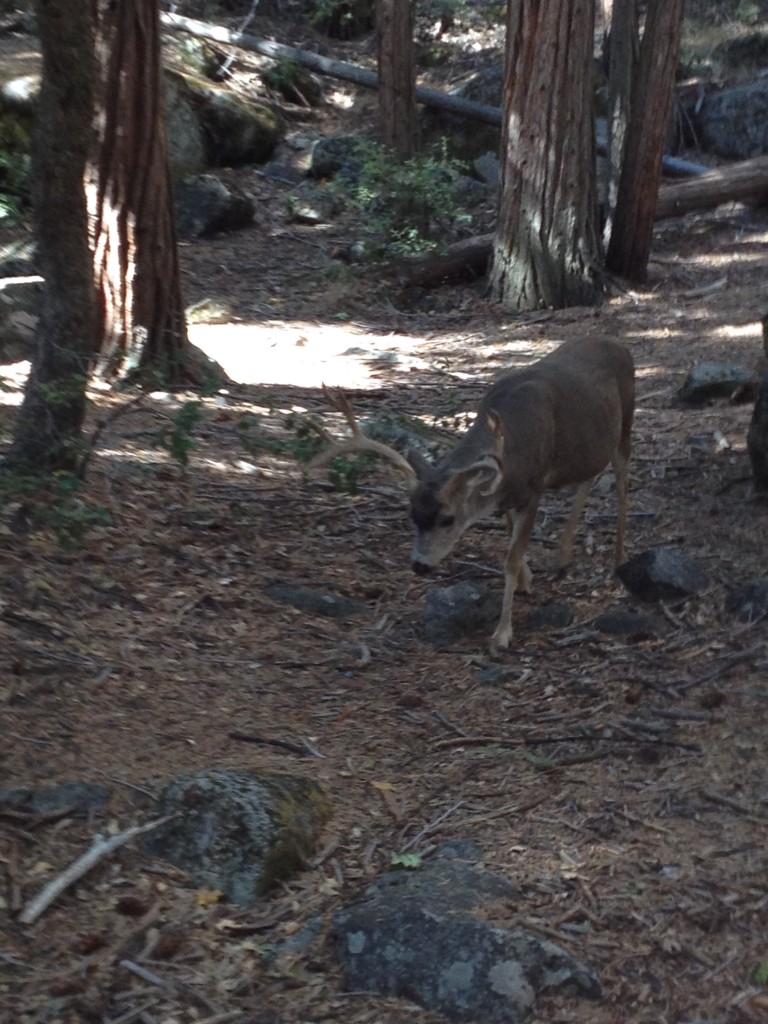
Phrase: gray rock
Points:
(18, 259)
(429, 936)
(621, 622)
(749, 602)
(317, 602)
(205, 205)
(187, 150)
(455, 611)
(714, 380)
(313, 206)
(557, 615)
(734, 123)
(233, 132)
(238, 831)
(662, 574)
(338, 154)
(78, 799)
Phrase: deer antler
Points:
(358, 442)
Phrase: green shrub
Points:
(408, 207)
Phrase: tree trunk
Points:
(622, 47)
(757, 435)
(136, 269)
(547, 249)
(48, 428)
(652, 96)
(397, 82)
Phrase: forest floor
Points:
(637, 834)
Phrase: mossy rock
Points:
(240, 832)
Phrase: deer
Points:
(559, 421)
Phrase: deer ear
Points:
(484, 475)
(495, 426)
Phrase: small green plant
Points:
(52, 502)
(412, 861)
(758, 973)
(178, 441)
(15, 163)
(412, 206)
(284, 75)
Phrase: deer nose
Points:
(420, 568)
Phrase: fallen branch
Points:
(369, 79)
(100, 849)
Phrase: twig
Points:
(536, 741)
(733, 805)
(726, 663)
(100, 849)
(244, 737)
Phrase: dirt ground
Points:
(621, 784)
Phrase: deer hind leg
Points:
(620, 463)
(515, 568)
(565, 548)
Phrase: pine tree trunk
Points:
(547, 248)
(397, 82)
(48, 428)
(757, 435)
(140, 305)
(651, 106)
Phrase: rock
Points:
(468, 138)
(743, 50)
(76, 799)
(206, 205)
(662, 574)
(313, 206)
(621, 622)
(233, 132)
(339, 154)
(734, 123)
(239, 832)
(749, 602)
(715, 380)
(187, 150)
(453, 612)
(550, 616)
(317, 602)
(429, 935)
(18, 259)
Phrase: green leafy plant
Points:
(178, 440)
(412, 861)
(409, 207)
(758, 973)
(52, 502)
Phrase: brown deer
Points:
(559, 421)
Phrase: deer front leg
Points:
(565, 547)
(525, 576)
(515, 568)
(621, 472)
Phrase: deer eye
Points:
(447, 521)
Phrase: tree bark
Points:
(397, 81)
(140, 306)
(48, 428)
(547, 250)
(757, 435)
(622, 52)
(652, 95)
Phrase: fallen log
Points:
(469, 257)
(733, 183)
(672, 166)
(326, 66)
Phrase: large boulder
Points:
(734, 123)
(237, 831)
(440, 936)
(205, 206)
